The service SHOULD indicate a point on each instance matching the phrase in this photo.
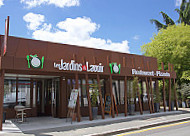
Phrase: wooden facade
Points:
(15, 65)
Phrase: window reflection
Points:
(24, 93)
(9, 92)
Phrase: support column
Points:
(152, 101)
(119, 90)
(88, 97)
(175, 95)
(78, 102)
(31, 92)
(111, 94)
(16, 90)
(100, 96)
(147, 91)
(164, 92)
(125, 93)
(1, 96)
(157, 91)
(164, 95)
(169, 94)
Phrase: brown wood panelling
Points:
(15, 62)
(1, 96)
(63, 98)
(19, 48)
(124, 62)
(129, 62)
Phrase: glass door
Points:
(39, 98)
(48, 97)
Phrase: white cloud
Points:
(136, 37)
(57, 3)
(79, 27)
(178, 3)
(77, 31)
(33, 20)
(1, 3)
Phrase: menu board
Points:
(73, 98)
(107, 105)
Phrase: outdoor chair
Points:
(19, 112)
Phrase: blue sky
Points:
(119, 25)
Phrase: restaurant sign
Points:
(73, 66)
(114, 68)
(150, 73)
(34, 61)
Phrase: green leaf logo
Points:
(114, 68)
(34, 61)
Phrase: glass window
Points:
(145, 98)
(122, 92)
(85, 99)
(9, 92)
(80, 93)
(115, 91)
(130, 94)
(102, 84)
(24, 93)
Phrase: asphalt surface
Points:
(174, 129)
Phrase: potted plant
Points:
(156, 100)
(132, 95)
(94, 102)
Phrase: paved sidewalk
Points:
(58, 127)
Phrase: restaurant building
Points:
(41, 75)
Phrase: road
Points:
(176, 129)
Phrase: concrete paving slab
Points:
(54, 126)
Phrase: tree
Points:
(184, 16)
(184, 90)
(184, 12)
(172, 45)
(168, 21)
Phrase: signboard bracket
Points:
(71, 114)
(72, 104)
(107, 104)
